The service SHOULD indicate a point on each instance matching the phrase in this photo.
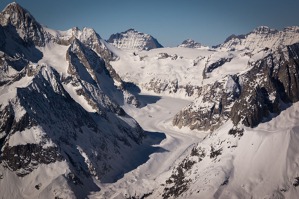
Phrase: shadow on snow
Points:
(137, 156)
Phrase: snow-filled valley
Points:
(81, 117)
(262, 163)
(170, 144)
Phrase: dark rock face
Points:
(213, 66)
(6, 119)
(18, 52)
(210, 112)
(278, 85)
(249, 98)
(16, 16)
(25, 158)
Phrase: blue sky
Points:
(170, 21)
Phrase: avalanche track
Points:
(155, 117)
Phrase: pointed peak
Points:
(89, 31)
(10, 5)
(14, 7)
(14, 13)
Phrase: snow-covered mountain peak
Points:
(132, 39)
(190, 43)
(264, 30)
(15, 14)
(25, 24)
(86, 34)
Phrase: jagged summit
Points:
(15, 14)
(132, 39)
(23, 22)
(190, 43)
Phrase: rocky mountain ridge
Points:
(59, 110)
(262, 37)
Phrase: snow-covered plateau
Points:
(126, 118)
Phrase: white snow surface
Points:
(54, 55)
(47, 176)
(183, 66)
(267, 158)
(33, 135)
(9, 93)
